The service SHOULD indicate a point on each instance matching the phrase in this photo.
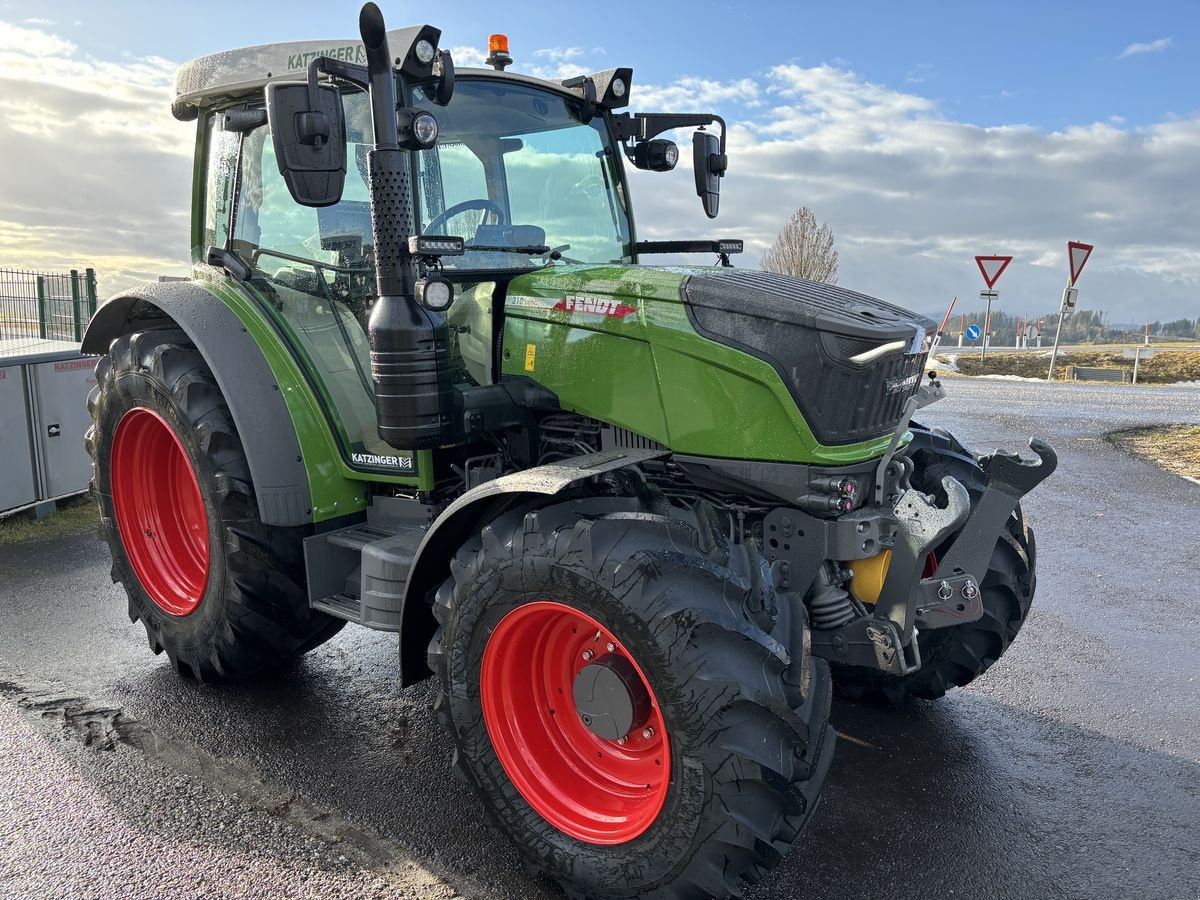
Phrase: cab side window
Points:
(218, 189)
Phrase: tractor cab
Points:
(526, 174)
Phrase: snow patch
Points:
(1011, 378)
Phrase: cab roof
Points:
(218, 77)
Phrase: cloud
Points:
(1138, 49)
(95, 170)
(559, 54)
(561, 62)
(920, 73)
(913, 195)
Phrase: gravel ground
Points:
(85, 813)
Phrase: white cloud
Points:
(559, 54)
(95, 171)
(469, 57)
(1136, 49)
(561, 62)
(913, 195)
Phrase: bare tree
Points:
(804, 249)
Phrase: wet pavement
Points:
(1072, 769)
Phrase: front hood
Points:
(796, 301)
(849, 361)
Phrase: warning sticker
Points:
(530, 356)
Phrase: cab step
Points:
(358, 573)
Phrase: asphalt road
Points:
(1072, 769)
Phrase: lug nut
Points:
(587, 655)
(647, 733)
(611, 647)
(623, 740)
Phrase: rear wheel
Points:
(956, 656)
(219, 591)
(615, 696)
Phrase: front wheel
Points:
(219, 591)
(616, 701)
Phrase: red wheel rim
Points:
(159, 511)
(592, 789)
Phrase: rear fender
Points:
(253, 391)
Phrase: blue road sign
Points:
(972, 332)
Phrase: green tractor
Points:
(638, 521)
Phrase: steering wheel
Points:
(487, 206)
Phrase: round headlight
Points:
(424, 51)
(425, 128)
(437, 294)
(671, 155)
(618, 87)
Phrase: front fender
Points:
(463, 517)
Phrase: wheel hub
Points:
(611, 698)
(575, 723)
(159, 511)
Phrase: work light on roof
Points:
(424, 51)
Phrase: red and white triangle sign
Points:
(1077, 255)
(992, 267)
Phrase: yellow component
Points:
(869, 576)
(530, 356)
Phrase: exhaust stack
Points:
(414, 402)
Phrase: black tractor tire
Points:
(956, 656)
(748, 751)
(248, 612)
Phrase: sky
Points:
(922, 133)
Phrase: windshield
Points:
(515, 168)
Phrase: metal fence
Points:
(36, 307)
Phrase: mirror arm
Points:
(355, 74)
(644, 126)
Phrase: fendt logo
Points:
(594, 306)
(901, 385)
(390, 462)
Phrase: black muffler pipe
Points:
(410, 345)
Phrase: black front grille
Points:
(854, 405)
(808, 333)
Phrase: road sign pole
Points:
(1062, 311)
(987, 327)
(1077, 257)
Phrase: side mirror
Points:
(310, 144)
(709, 164)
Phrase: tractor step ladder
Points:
(358, 573)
